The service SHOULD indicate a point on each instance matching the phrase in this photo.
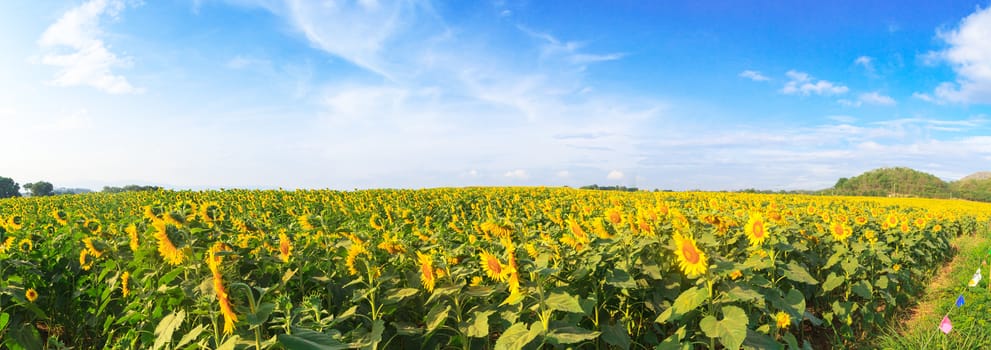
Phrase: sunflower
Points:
(782, 319)
(840, 230)
(124, 281)
(15, 222)
(427, 276)
(92, 226)
(305, 222)
(285, 247)
(210, 212)
(614, 215)
(213, 262)
(354, 250)
(26, 245)
(904, 227)
(60, 216)
(373, 221)
(132, 234)
(691, 260)
(492, 266)
(88, 242)
(31, 295)
(891, 220)
(756, 229)
(166, 248)
(85, 262)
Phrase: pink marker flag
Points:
(946, 326)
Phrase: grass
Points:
(920, 329)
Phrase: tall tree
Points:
(40, 188)
(9, 188)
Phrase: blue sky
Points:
(712, 95)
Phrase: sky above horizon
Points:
(710, 95)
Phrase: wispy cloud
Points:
(876, 98)
(615, 175)
(865, 61)
(517, 174)
(74, 44)
(803, 84)
(753, 75)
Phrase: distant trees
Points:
(40, 188)
(610, 188)
(893, 182)
(129, 188)
(9, 188)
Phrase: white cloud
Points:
(753, 75)
(849, 103)
(969, 54)
(876, 98)
(517, 174)
(926, 97)
(563, 173)
(802, 83)
(615, 175)
(74, 45)
(865, 61)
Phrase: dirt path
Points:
(942, 281)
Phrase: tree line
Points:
(10, 188)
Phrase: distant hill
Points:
(975, 187)
(980, 175)
(893, 182)
(906, 182)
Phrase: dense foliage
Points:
(474, 268)
(896, 182)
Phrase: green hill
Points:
(975, 187)
(893, 182)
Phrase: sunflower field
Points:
(469, 268)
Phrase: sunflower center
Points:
(759, 229)
(428, 274)
(691, 255)
(494, 266)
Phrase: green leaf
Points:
(261, 314)
(436, 316)
(4, 319)
(791, 341)
(863, 289)
(731, 330)
(672, 342)
(479, 327)
(762, 341)
(515, 337)
(621, 279)
(190, 336)
(399, 295)
(25, 336)
(882, 282)
(166, 327)
(571, 335)
(792, 303)
(797, 273)
(307, 339)
(564, 302)
(231, 343)
(168, 277)
(616, 335)
(689, 300)
(832, 281)
(743, 294)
